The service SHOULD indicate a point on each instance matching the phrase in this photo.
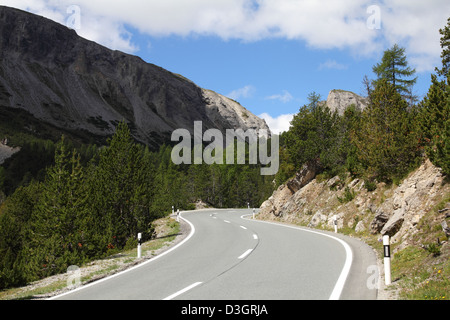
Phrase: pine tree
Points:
(118, 192)
(56, 221)
(435, 110)
(312, 134)
(394, 69)
(385, 140)
(445, 45)
(16, 266)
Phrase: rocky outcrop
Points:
(339, 100)
(402, 211)
(392, 210)
(279, 203)
(76, 84)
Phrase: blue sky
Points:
(266, 54)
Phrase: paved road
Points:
(230, 257)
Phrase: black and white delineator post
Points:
(387, 260)
(253, 213)
(139, 245)
(335, 224)
(178, 215)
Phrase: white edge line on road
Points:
(133, 268)
(176, 294)
(339, 286)
(246, 253)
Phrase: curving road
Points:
(228, 256)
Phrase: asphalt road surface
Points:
(229, 256)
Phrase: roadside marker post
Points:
(335, 224)
(139, 253)
(178, 215)
(387, 260)
(253, 213)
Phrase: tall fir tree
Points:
(56, 221)
(118, 196)
(394, 69)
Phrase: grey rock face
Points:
(76, 84)
(339, 100)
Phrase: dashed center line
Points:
(176, 294)
(255, 237)
(226, 221)
(243, 227)
(246, 253)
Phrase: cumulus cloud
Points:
(279, 124)
(245, 92)
(324, 24)
(285, 97)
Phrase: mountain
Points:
(339, 100)
(77, 85)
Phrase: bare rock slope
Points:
(76, 84)
(394, 210)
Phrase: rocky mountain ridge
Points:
(75, 84)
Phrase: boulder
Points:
(303, 177)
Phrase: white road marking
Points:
(176, 294)
(339, 286)
(243, 227)
(246, 253)
(132, 268)
(255, 237)
(226, 221)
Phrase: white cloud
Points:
(245, 92)
(323, 24)
(332, 64)
(285, 97)
(279, 124)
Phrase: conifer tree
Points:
(395, 70)
(16, 267)
(445, 45)
(56, 221)
(118, 193)
(311, 134)
(385, 140)
(435, 110)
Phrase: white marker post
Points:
(387, 260)
(178, 215)
(253, 213)
(335, 224)
(139, 245)
(173, 210)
